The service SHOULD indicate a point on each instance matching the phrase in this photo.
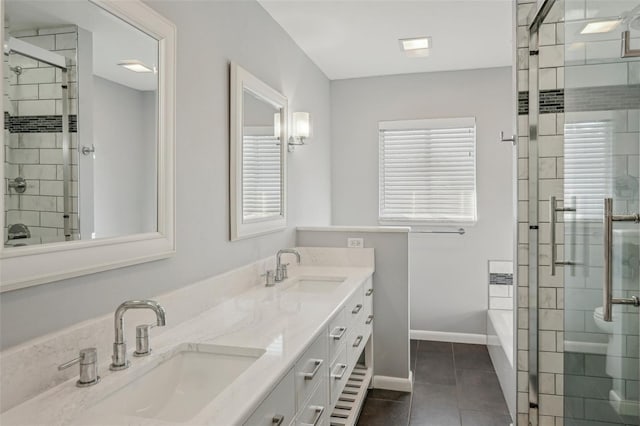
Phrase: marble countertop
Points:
(282, 323)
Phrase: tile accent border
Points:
(38, 123)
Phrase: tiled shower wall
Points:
(550, 172)
(594, 91)
(33, 135)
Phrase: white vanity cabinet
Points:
(310, 393)
(279, 408)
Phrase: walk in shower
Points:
(583, 234)
(41, 190)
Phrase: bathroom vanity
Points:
(297, 353)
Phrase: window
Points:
(587, 167)
(261, 186)
(427, 171)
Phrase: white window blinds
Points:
(261, 184)
(587, 167)
(427, 171)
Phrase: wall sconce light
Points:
(300, 129)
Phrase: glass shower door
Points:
(601, 162)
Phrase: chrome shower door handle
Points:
(609, 300)
(553, 209)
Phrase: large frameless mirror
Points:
(87, 141)
(258, 127)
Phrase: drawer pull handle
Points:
(339, 376)
(369, 320)
(310, 376)
(316, 417)
(356, 309)
(338, 332)
(357, 342)
(369, 292)
(277, 420)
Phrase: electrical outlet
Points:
(355, 242)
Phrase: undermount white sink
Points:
(181, 386)
(313, 285)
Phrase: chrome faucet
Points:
(119, 358)
(281, 269)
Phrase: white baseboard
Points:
(441, 336)
(394, 383)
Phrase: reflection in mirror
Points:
(258, 156)
(80, 113)
(261, 159)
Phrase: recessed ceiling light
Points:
(416, 43)
(600, 27)
(135, 65)
(416, 46)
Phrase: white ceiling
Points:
(350, 39)
(113, 39)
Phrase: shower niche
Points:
(80, 117)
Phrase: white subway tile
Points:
(37, 140)
(47, 42)
(551, 56)
(45, 107)
(37, 75)
(38, 203)
(551, 362)
(552, 405)
(547, 340)
(547, 383)
(24, 156)
(548, 78)
(18, 92)
(547, 34)
(551, 319)
(28, 218)
(547, 123)
(30, 171)
(51, 187)
(551, 146)
(51, 220)
(66, 41)
(50, 91)
(523, 80)
(50, 156)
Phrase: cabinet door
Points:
(315, 412)
(279, 408)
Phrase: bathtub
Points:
(500, 344)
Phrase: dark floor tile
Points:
(381, 412)
(480, 391)
(472, 357)
(480, 418)
(435, 368)
(434, 405)
(389, 395)
(431, 346)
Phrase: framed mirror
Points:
(88, 141)
(258, 150)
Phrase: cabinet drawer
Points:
(355, 344)
(354, 307)
(338, 376)
(311, 369)
(367, 287)
(280, 404)
(315, 412)
(337, 334)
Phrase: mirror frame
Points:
(241, 79)
(27, 266)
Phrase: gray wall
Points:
(443, 267)
(391, 293)
(210, 34)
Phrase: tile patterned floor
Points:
(455, 385)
